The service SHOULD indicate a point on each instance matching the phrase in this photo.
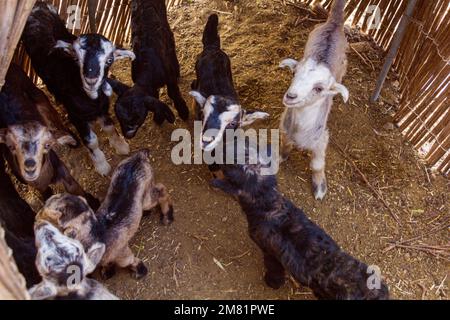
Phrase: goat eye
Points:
(109, 61)
(47, 146)
(318, 89)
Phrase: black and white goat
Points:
(291, 242)
(308, 101)
(132, 191)
(156, 65)
(30, 127)
(217, 100)
(75, 70)
(64, 266)
(17, 220)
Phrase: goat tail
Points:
(337, 12)
(211, 33)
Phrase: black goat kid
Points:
(291, 241)
(156, 65)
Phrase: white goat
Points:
(308, 101)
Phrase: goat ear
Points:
(94, 255)
(118, 87)
(251, 116)
(66, 46)
(70, 232)
(3, 133)
(123, 54)
(201, 100)
(342, 90)
(64, 138)
(289, 63)
(43, 290)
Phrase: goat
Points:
(64, 266)
(132, 191)
(74, 70)
(156, 65)
(290, 241)
(217, 100)
(132, 106)
(308, 101)
(17, 219)
(30, 128)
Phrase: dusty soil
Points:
(206, 253)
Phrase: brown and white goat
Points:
(308, 101)
(64, 266)
(132, 191)
(30, 127)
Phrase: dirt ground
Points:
(206, 253)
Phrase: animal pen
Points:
(406, 40)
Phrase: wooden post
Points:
(13, 16)
(395, 45)
(12, 283)
(92, 7)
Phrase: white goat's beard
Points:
(92, 93)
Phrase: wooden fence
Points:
(422, 61)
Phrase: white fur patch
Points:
(101, 164)
(225, 119)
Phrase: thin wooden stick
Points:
(375, 191)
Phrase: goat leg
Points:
(126, 259)
(108, 271)
(286, 147)
(159, 195)
(174, 93)
(115, 139)
(90, 140)
(275, 275)
(319, 181)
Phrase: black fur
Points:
(17, 218)
(291, 241)
(156, 65)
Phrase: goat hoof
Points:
(274, 282)
(167, 218)
(107, 272)
(103, 168)
(141, 271)
(320, 191)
